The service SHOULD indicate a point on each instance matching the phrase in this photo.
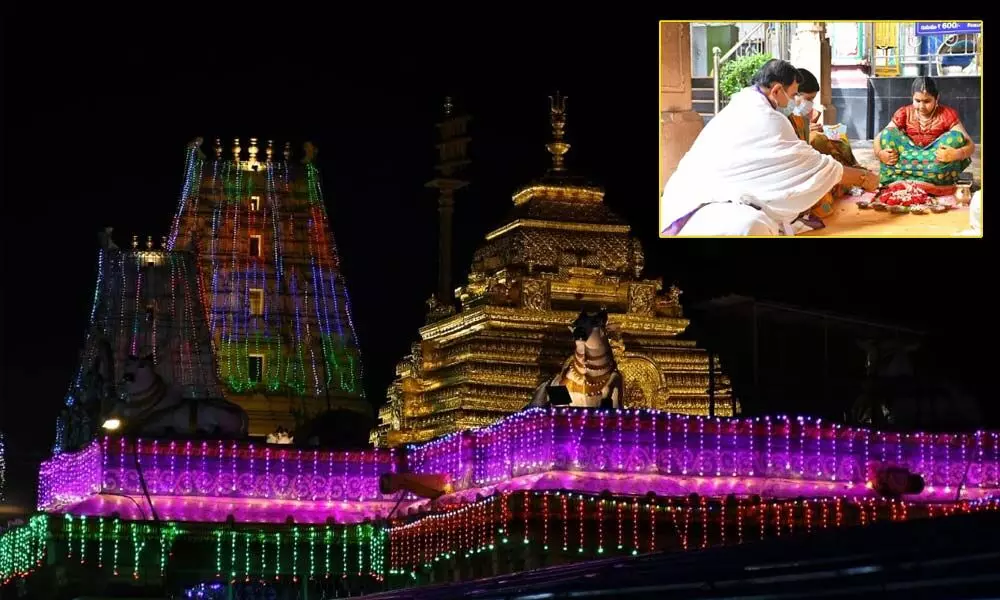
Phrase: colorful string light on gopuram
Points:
(86, 357)
(246, 292)
(3, 468)
(147, 303)
(276, 301)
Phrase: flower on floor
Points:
(902, 193)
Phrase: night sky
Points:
(97, 114)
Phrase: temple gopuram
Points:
(277, 304)
(560, 251)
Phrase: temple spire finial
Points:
(557, 116)
(448, 106)
(253, 150)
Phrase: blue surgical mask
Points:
(804, 109)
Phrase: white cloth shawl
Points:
(747, 156)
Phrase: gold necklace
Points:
(928, 121)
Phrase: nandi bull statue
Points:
(590, 376)
(153, 407)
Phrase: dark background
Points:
(98, 109)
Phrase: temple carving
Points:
(560, 251)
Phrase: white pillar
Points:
(811, 50)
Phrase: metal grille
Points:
(898, 51)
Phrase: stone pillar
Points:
(446, 210)
(811, 50)
(679, 125)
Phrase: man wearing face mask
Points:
(748, 173)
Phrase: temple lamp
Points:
(113, 421)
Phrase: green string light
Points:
(22, 549)
(344, 543)
(295, 554)
(329, 542)
(83, 540)
(164, 535)
(138, 543)
(246, 555)
(100, 543)
(218, 553)
(232, 555)
(376, 552)
(277, 555)
(361, 533)
(69, 536)
(118, 537)
(263, 556)
(312, 552)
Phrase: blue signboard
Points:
(949, 28)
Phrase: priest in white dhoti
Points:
(748, 173)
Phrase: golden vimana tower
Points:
(561, 250)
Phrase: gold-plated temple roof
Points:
(560, 249)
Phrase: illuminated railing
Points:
(624, 452)
(633, 451)
(211, 480)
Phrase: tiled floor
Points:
(849, 220)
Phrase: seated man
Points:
(925, 143)
(748, 173)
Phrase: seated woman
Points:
(747, 173)
(808, 127)
(925, 143)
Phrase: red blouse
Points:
(942, 122)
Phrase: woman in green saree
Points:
(925, 143)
